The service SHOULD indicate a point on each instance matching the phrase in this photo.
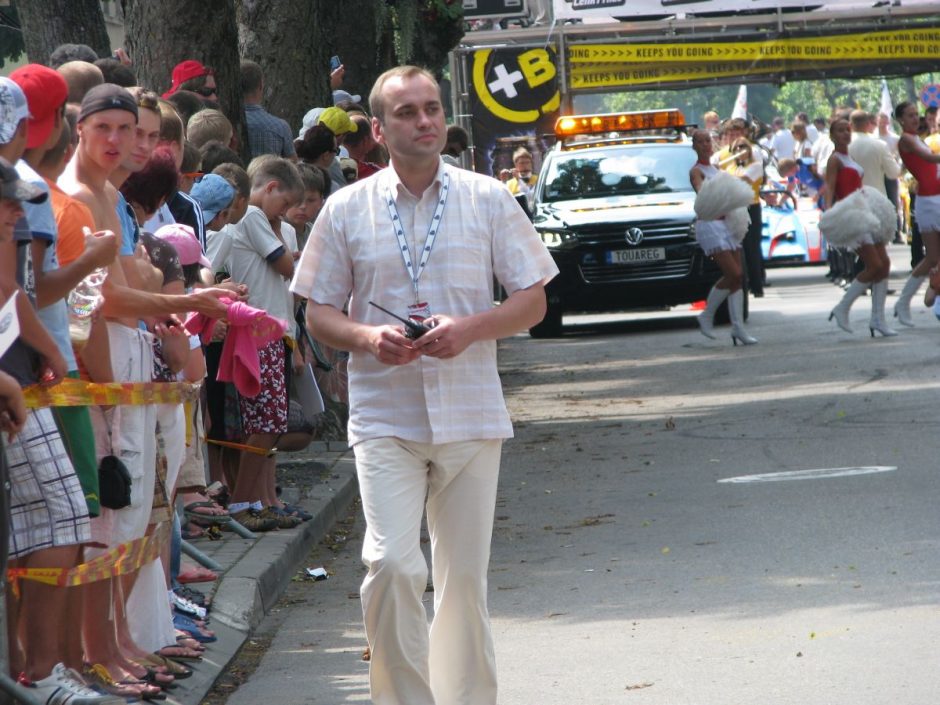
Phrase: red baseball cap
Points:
(185, 71)
(46, 92)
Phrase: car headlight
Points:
(555, 238)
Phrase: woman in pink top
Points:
(923, 164)
(844, 177)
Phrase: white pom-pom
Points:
(884, 211)
(848, 220)
(738, 221)
(721, 194)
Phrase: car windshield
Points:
(633, 170)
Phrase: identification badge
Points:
(419, 311)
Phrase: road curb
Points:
(258, 571)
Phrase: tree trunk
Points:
(436, 34)
(290, 39)
(365, 43)
(162, 34)
(49, 23)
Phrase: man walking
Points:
(424, 240)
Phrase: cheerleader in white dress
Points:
(721, 207)
(857, 218)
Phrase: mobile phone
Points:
(335, 63)
(413, 329)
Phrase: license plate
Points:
(645, 254)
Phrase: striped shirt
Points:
(353, 250)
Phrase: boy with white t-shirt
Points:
(262, 260)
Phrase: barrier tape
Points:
(77, 392)
(241, 446)
(120, 560)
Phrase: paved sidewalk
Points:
(257, 571)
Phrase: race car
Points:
(790, 229)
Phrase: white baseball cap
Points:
(13, 108)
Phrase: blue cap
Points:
(214, 194)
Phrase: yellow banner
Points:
(77, 392)
(120, 560)
(610, 75)
(886, 46)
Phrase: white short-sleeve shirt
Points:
(252, 242)
(353, 250)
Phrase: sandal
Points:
(193, 630)
(161, 679)
(99, 675)
(177, 670)
(179, 652)
(191, 511)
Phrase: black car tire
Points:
(550, 326)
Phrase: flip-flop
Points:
(177, 670)
(185, 624)
(191, 513)
(180, 653)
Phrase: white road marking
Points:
(816, 474)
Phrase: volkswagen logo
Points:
(634, 236)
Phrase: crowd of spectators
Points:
(138, 246)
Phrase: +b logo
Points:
(516, 86)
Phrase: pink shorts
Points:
(267, 412)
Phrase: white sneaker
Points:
(181, 604)
(65, 687)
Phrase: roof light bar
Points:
(618, 122)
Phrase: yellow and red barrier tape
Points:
(241, 446)
(120, 560)
(77, 392)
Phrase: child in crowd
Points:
(223, 462)
(302, 215)
(261, 259)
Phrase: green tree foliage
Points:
(693, 102)
(765, 101)
(820, 98)
(11, 35)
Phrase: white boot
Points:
(902, 307)
(736, 312)
(879, 292)
(841, 311)
(706, 319)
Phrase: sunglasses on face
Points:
(206, 92)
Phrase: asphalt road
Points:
(626, 569)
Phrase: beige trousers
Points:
(453, 662)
